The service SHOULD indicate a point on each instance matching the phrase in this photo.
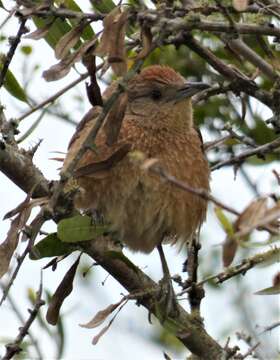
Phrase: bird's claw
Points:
(167, 297)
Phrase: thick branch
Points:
(190, 332)
(18, 167)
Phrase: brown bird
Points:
(158, 121)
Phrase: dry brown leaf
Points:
(276, 279)
(39, 33)
(229, 250)
(147, 38)
(100, 169)
(240, 5)
(63, 290)
(68, 41)
(27, 203)
(264, 217)
(272, 290)
(252, 214)
(101, 316)
(61, 69)
(8, 247)
(114, 120)
(112, 41)
(101, 333)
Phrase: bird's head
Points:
(159, 97)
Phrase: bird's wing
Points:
(98, 161)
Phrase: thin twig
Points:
(53, 97)
(14, 347)
(259, 151)
(271, 327)
(14, 43)
(204, 194)
(241, 268)
(20, 317)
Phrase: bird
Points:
(140, 207)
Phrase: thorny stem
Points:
(14, 43)
(53, 97)
(19, 315)
(261, 150)
(14, 347)
(241, 268)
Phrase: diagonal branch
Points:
(14, 43)
(260, 150)
(14, 348)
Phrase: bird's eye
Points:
(156, 94)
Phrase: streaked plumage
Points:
(141, 207)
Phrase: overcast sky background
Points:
(130, 334)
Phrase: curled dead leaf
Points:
(68, 41)
(229, 250)
(114, 120)
(112, 43)
(61, 69)
(63, 290)
(251, 215)
(101, 168)
(101, 316)
(147, 41)
(8, 246)
(39, 33)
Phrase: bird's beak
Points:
(189, 89)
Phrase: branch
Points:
(190, 332)
(59, 13)
(14, 347)
(259, 151)
(17, 165)
(53, 97)
(241, 48)
(14, 43)
(241, 268)
(14, 306)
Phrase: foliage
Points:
(231, 45)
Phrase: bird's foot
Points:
(167, 299)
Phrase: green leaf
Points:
(13, 87)
(79, 228)
(26, 49)
(87, 33)
(50, 246)
(224, 221)
(56, 31)
(104, 6)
